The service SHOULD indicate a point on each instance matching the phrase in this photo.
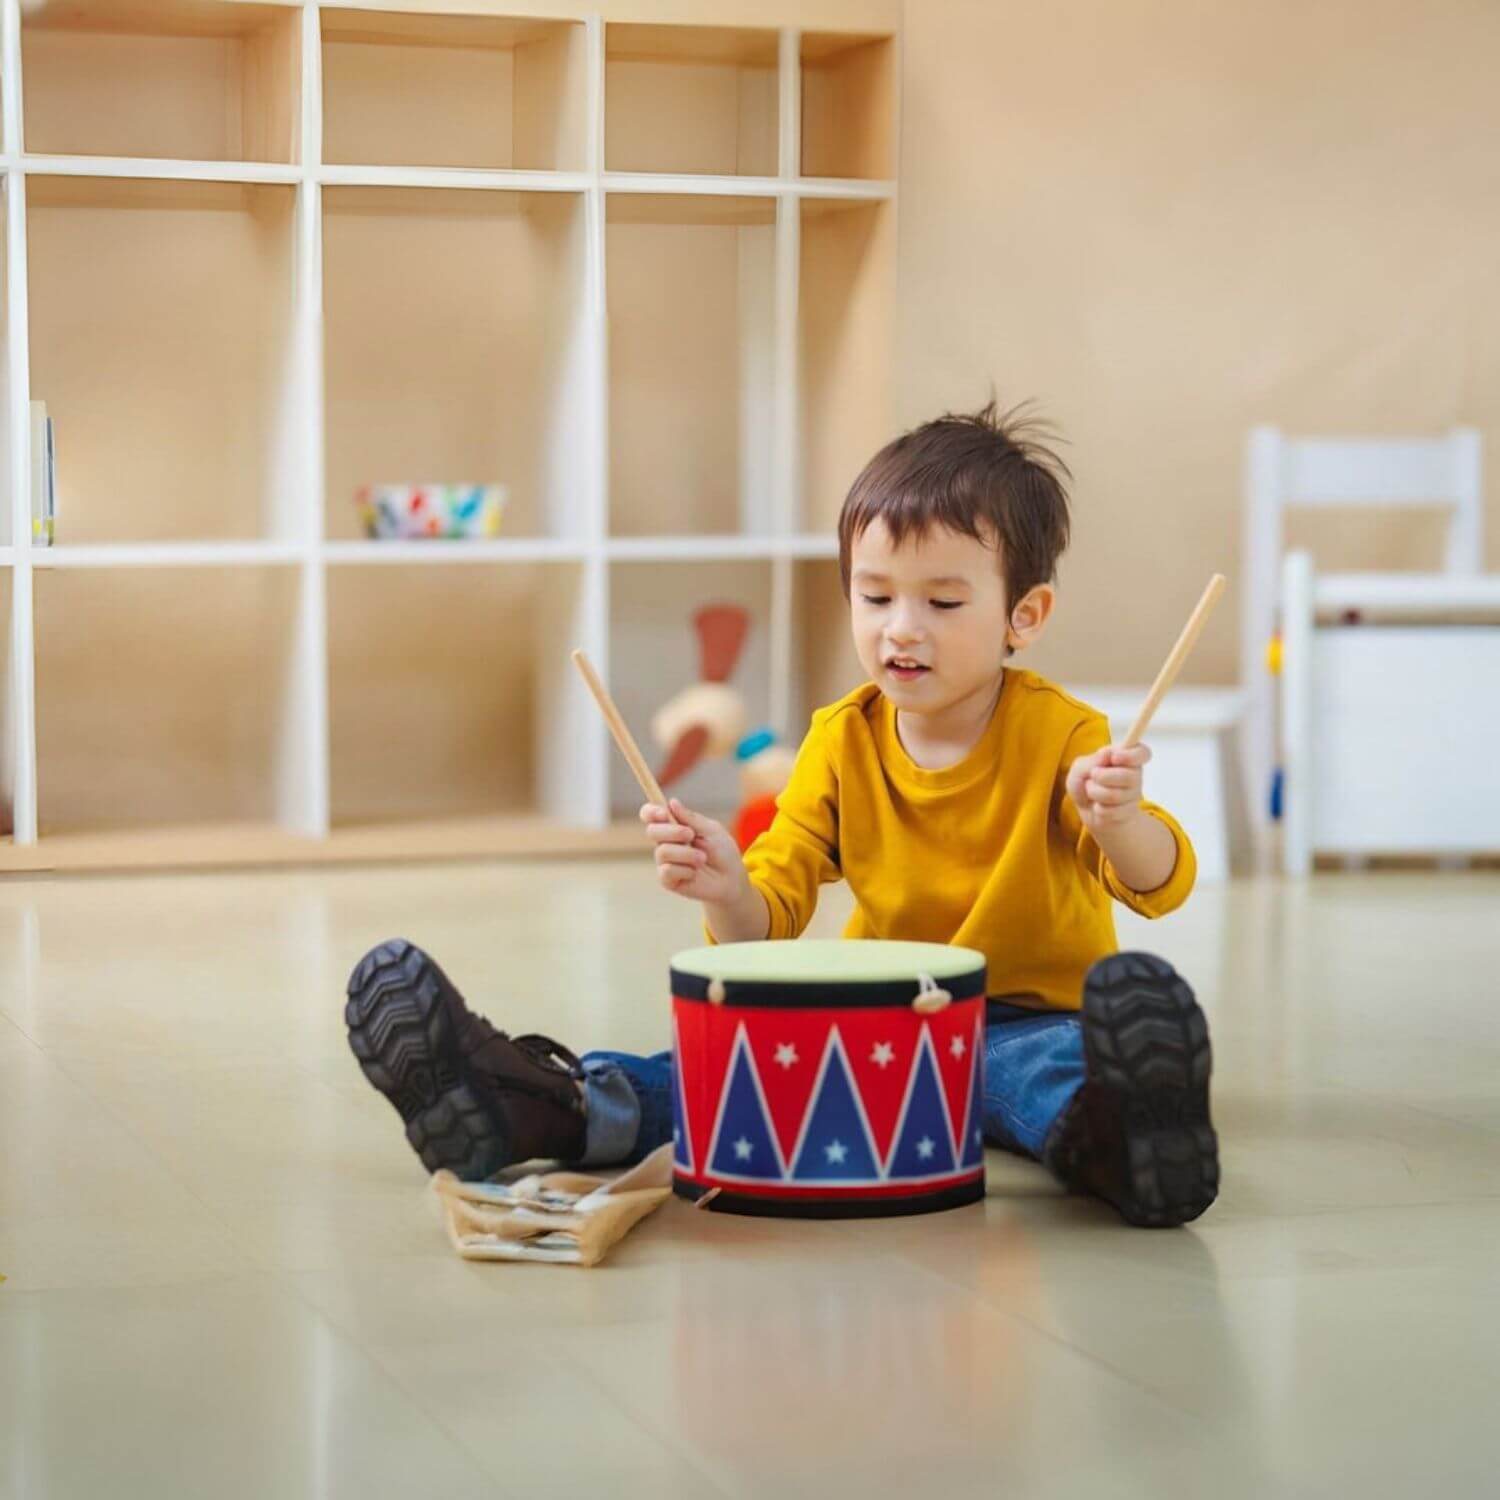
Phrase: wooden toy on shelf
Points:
(704, 721)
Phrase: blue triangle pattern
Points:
(743, 1146)
(835, 1147)
(924, 1146)
(973, 1148)
(682, 1147)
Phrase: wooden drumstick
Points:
(1174, 662)
(620, 730)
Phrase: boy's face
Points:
(937, 602)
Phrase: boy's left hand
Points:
(1106, 786)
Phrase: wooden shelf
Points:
(641, 274)
(160, 169)
(160, 328)
(242, 845)
(696, 99)
(848, 105)
(453, 91)
(8, 759)
(467, 179)
(441, 551)
(170, 555)
(825, 666)
(651, 619)
(454, 328)
(705, 548)
(158, 696)
(447, 692)
(845, 349)
(191, 79)
(683, 210)
(13, 471)
(690, 378)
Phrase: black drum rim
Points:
(819, 994)
(834, 1206)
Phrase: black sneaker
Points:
(473, 1099)
(1138, 1132)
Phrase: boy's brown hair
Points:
(985, 475)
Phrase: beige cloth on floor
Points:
(564, 1217)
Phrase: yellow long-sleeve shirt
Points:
(989, 853)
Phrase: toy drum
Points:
(828, 1079)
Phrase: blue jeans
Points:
(1033, 1065)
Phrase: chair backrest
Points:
(1281, 472)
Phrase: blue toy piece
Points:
(754, 743)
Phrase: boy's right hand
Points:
(695, 857)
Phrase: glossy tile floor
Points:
(227, 1276)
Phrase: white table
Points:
(1389, 726)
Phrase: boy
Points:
(965, 801)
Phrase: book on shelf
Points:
(43, 476)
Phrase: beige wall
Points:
(1167, 222)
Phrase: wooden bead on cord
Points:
(931, 997)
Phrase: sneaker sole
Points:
(401, 1035)
(1146, 1041)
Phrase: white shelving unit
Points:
(259, 254)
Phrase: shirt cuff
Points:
(1171, 893)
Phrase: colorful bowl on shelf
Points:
(407, 512)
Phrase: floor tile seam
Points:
(13, 1299)
(1346, 1210)
(1284, 1211)
(16, 1287)
(1426, 1111)
(10, 1022)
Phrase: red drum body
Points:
(807, 1083)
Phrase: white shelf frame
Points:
(577, 750)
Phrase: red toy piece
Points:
(753, 819)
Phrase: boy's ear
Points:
(1029, 616)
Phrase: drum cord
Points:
(931, 996)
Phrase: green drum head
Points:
(829, 961)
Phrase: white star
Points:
(883, 1055)
(836, 1153)
(925, 1147)
(979, 1138)
(742, 1149)
(786, 1055)
(956, 1046)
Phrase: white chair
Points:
(1281, 472)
